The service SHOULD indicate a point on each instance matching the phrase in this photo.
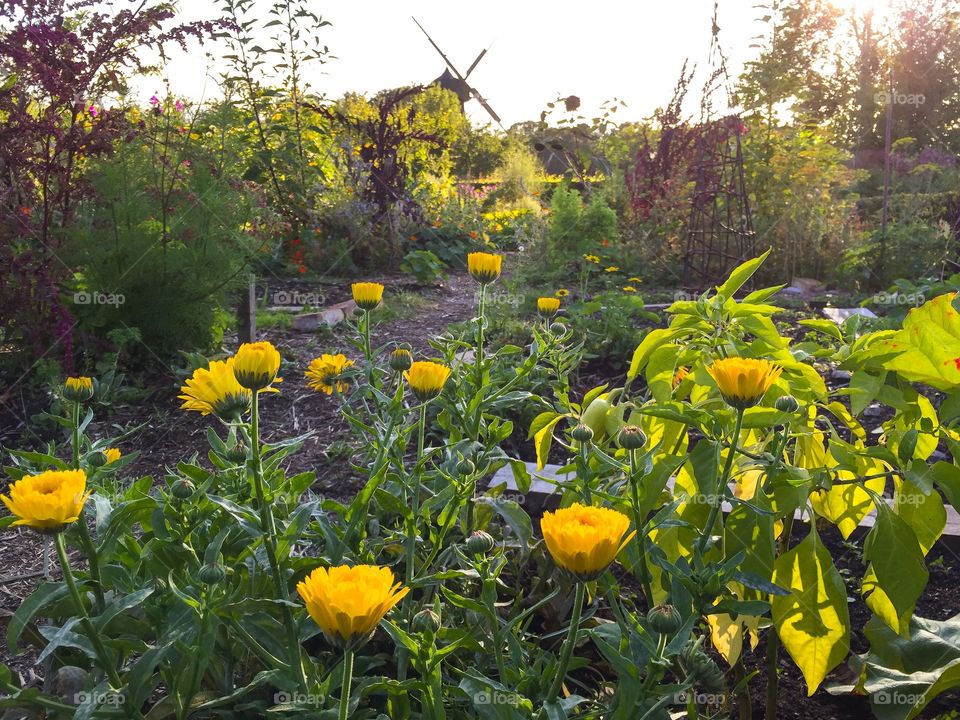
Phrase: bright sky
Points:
(600, 50)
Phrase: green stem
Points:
(639, 523)
(568, 644)
(366, 336)
(403, 656)
(585, 471)
(101, 651)
(715, 501)
(86, 542)
(345, 686)
(773, 640)
(480, 323)
(270, 544)
(76, 436)
(415, 499)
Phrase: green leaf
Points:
(899, 572)
(542, 441)
(905, 674)
(45, 594)
(740, 275)
(813, 621)
(927, 349)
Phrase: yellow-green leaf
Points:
(813, 621)
(927, 349)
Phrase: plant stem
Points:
(347, 682)
(773, 639)
(366, 336)
(585, 470)
(480, 323)
(102, 655)
(568, 644)
(639, 523)
(415, 499)
(86, 541)
(269, 543)
(715, 501)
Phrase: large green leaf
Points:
(813, 621)
(899, 574)
(927, 349)
(905, 674)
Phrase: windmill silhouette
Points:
(451, 79)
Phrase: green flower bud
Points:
(558, 328)
(183, 489)
(664, 619)
(359, 312)
(78, 389)
(212, 573)
(97, 459)
(426, 621)
(787, 404)
(237, 454)
(401, 359)
(466, 467)
(373, 527)
(632, 437)
(480, 543)
(582, 433)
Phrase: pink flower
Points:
(93, 111)
(179, 106)
(154, 100)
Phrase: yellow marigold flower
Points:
(215, 389)
(367, 295)
(680, 375)
(548, 306)
(484, 267)
(48, 502)
(256, 365)
(349, 602)
(78, 389)
(583, 539)
(427, 379)
(112, 454)
(743, 381)
(629, 288)
(612, 268)
(634, 280)
(323, 372)
(562, 293)
(592, 258)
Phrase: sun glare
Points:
(881, 9)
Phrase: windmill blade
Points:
(475, 62)
(486, 106)
(437, 48)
